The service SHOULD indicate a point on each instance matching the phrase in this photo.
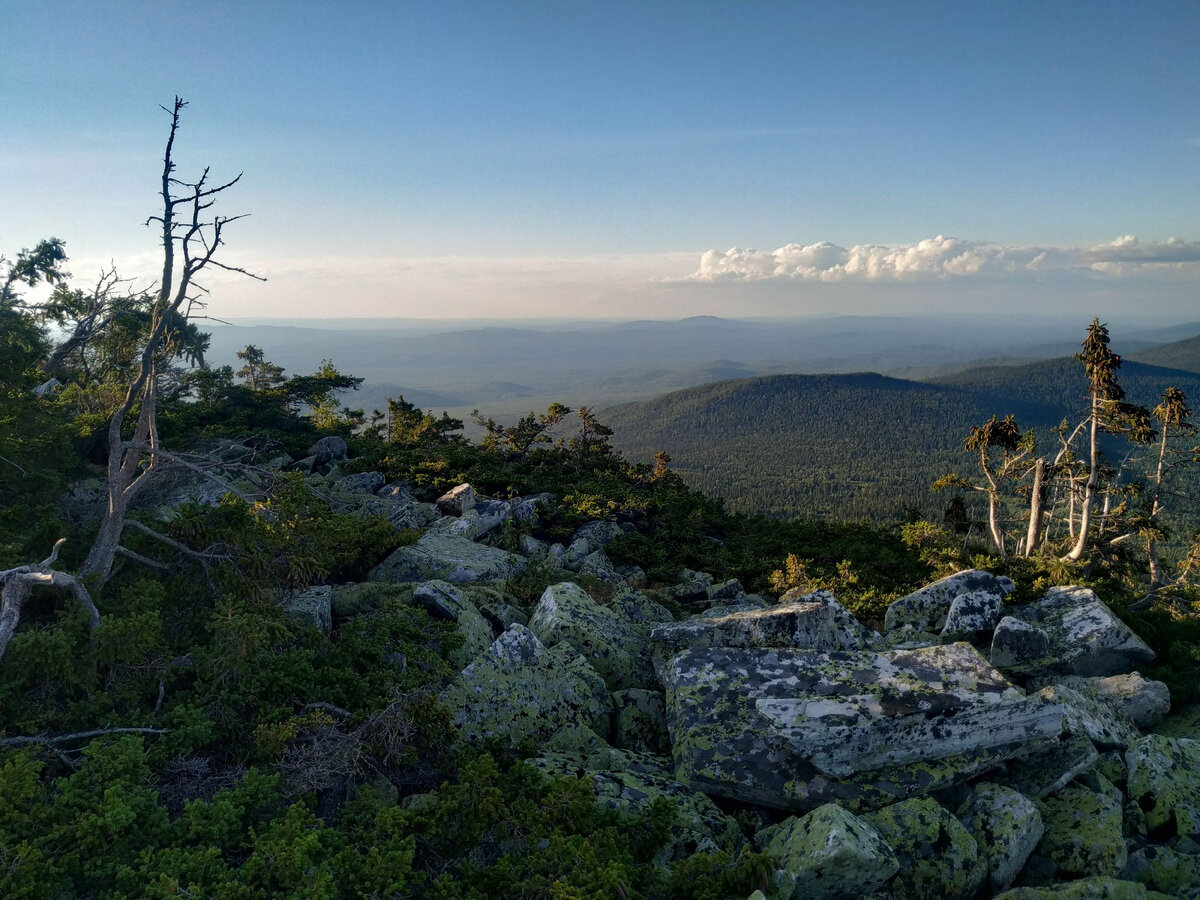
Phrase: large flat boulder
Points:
(927, 608)
(1084, 637)
(1145, 701)
(447, 557)
(794, 729)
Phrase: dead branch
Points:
(17, 583)
(57, 740)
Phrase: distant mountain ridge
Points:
(852, 446)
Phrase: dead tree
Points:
(191, 236)
(17, 583)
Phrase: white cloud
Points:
(944, 259)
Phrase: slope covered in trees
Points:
(854, 446)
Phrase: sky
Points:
(623, 159)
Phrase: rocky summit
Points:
(1004, 751)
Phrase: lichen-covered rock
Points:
(599, 566)
(1103, 724)
(1085, 637)
(808, 626)
(520, 690)
(1146, 702)
(830, 853)
(852, 634)
(907, 637)
(1164, 780)
(639, 609)
(1051, 768)
(1163, 869)
(726, 591)
(1083, 833)
(640, 721)
(500, 615)
(330, 448)
(312, 607)
(1100, 888)
(1006, 826)
(532, 547)
(973, 614)
(457, 500)
(452, 558)
(937, 855)
(362, 483)
(794, 729)
(605, 637)
(928, 607)
(1016, 643)
(444, 601)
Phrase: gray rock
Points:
(452, 558)
(1016, 643)
(599, 566)
(457, 500)
(576, 553)
(444, 601)
(726, 591)
(1083, 833)
(598, 534)
(1165, 870)
(532, 548)
(907, 637)
(47, 388)
(1146, 702)
(520, 691)
(808, 626)
(330, 448)
(502, 615)
(1103, 724)
(312, 607)
(639, 609)
(1050, 769)
(973, 614)
(398, 491)
(830, 853)
(362, 483)
(1085, 637)
(525, 509)
(1164, 780)
(852, 634)
(614, 647)
(927, 608)
(938, 857)
(490, 515)
(640, 721)
(797, 728)
(1006, 826)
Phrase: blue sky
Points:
(494, 159)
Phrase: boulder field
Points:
(976, 747)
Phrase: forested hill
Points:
(1177, 355)
(852, 446)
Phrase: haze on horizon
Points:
(626, 160)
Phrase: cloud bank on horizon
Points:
(947, 258)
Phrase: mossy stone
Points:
(830, 853)
(1084, 833)
(938, 857)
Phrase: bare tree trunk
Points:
(1089, 494)
(1037, 501)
